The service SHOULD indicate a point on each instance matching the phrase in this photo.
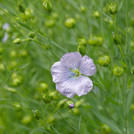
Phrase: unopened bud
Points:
(17, 106)
(36, 114)
(47, 6)
(104, 60)
(82, 42)
(96, 14)
(46, 98)
(17, 41)
(50, 23)
(116, 39)
(21, 8)
(95, 41)
(70, 23)
(42, 87)
(26, 119)
(105, 129)
(118, 71)
(31, 34)
(112, 8)
(70, 104)
(81, 50)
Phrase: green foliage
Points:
(39, 33)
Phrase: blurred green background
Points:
(34, 34)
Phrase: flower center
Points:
(75, 72)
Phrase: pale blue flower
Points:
(71, 74)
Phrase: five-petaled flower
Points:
(71, 74)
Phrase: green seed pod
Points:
(31, 34)
(42, 87)
(13, 54)
(133, 117)
(47, 6)
(21, 8)
(116, 39)
(82, 9)
(53, 95)
(132, 46)
(95, 41)
(50, 119)
(46, 98)
(28, 13)
(70, 23)
(105, 129)
(112, 8)
(24, 53)
(36, 114)
(96, 14)
(82, 42)
(17, 106)
(50, 23)
(26, 119)
(81, 50)
(17, 81)
(104, 60)
(118, 71)
(17, 41)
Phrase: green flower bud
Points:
(17, 106)
(53, 95)
(70, 23)
(104, 60)
(70, 104)
(24, 53)
(21, 8)
(132, 46)
(50, 23)
(36, 114)
(11, 90)
(118, 71)
(12, 65)
(96, 14)
(81, 50)
(46, 98)
(105, 129)
(28, 12)
(17, 81)
(82, 42)
(62, 103)
(82, 9)
(95, 41)
(47, 6)
(42, 87)
(50, 119)
(13, 54)
(112, 8)
(116, 39)
(26, 119)
(17, 41)
(31, 34)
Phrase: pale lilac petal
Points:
(6, 26)
(5, 37)
(71, 60)
(87, 66)
(75, 85)
(59, 72)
